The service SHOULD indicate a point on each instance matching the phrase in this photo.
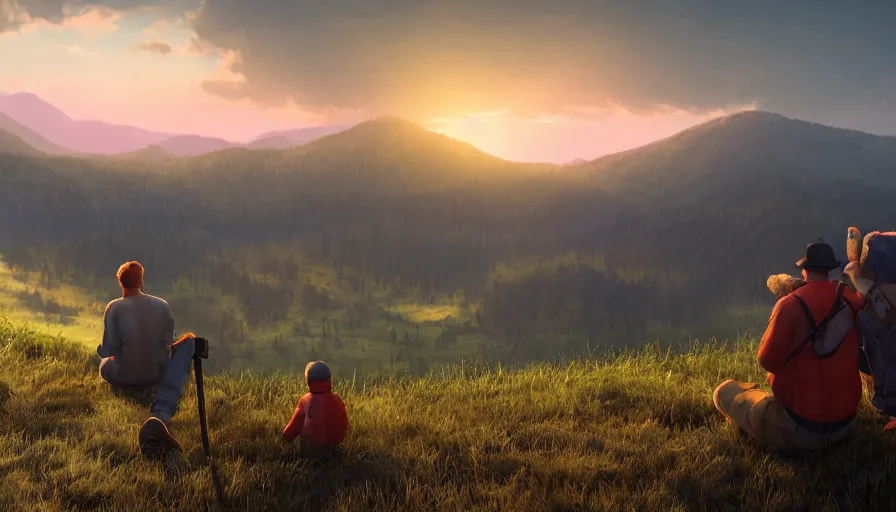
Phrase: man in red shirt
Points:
(814, 398)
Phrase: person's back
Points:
(320, 418)
(138, 349)
(140, 327)
(819, 389)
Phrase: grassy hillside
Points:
(63, 310)
(631, 431)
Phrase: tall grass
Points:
(632, 430)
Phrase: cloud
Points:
(87, 21)
(12, 15)
(426, 58)
(156, 27)
(72, 49)
(160, 47)
(83, 15)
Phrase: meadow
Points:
(628, 430)
(397, 334)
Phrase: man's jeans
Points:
(171, 387)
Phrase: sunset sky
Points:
(523, 79)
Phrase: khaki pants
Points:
(760, 415)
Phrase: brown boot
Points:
(155, 440)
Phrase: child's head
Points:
(316, 370)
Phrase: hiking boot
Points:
(155, 440)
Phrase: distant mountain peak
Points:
(387, 119)
(392, 123)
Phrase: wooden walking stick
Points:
(200, 354)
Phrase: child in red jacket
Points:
(320, 418)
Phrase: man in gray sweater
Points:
(138, 350)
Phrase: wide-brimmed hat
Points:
(819, 256)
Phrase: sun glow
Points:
(560, 139)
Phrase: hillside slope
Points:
(627, 432)
(291, 138)
(87, 137)
(384, 156)
(735, 192)
(193, 145)
(30, 137)
(707, 215)
(13, 144)
(154, 153)
(755, 145)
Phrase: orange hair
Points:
(130, 275)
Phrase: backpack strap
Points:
(813, 328)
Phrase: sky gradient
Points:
(524, 79)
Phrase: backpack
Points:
(827, 335)
(879, 349)
(877, 320)
(878, 262)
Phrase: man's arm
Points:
(341, 424)
(778, 337)
(294, 427)
(168, 332)
(111, 345)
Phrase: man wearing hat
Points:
(814, 399)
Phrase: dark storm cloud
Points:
(818, 60)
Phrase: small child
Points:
(320, 418)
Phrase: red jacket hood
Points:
(320, 386)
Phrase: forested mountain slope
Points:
(669, 236)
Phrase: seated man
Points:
(137, 338)
(815, 398)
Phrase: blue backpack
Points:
(877, 320)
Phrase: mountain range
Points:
(704, 215)
(63, 135)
